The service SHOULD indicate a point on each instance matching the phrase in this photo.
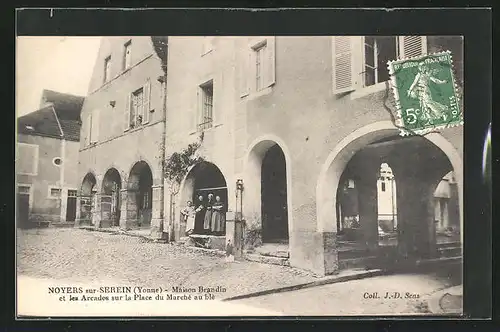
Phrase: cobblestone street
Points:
(75, 255)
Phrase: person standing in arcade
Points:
(208, 214)
(200, 215)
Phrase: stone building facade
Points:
(122, 137)
(47, 151)
(296, 119)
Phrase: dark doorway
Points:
(274, 196)
(71, 206)
(23, 207)
(208, 179)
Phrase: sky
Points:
(62, 64)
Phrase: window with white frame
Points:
(207, 104)
(107, 69)
(55, 192)
(72, 193)
(27, 163)
(138, 108)
(92, 126)
(257, 65)
(127, 55)
(259, 72)
(361, 61)
(23, 189)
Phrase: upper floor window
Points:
(361, 61)
(92, 126)
(55, 192)
(138, 107)
(127, 55)
(257, 65)
(27, 163)
(207, 104)
(259, 57)
(107, 69)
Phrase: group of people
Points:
(207, 217)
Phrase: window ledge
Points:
(215, 125)
(260, 93)
(363, 92)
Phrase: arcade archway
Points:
(139, 195)
(87, 196)
(110, 198)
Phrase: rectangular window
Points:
(259, 59)
(72, 193)
(55, 192)
(107, 69)
(379, 50)
(127, 55)
(23, 190)
(207, 94)
(27, 163)
(383, 186)
(137, 108)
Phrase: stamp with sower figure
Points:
(425, 93)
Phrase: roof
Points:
(58, 117)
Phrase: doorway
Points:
(71, 206)
(274, 197)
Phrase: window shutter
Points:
(270, 62)
(412, 46)
(89, 129)
(244, 65)
(346, 62)
(199, 109)
(147, 101)
(126, 123)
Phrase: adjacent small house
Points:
(47, 160)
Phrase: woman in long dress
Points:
(200, 215)
(218, 219)
(208, 214)
(420, 89)
(189, 214)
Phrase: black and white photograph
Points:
(229, 175)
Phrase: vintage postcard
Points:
(239, 176)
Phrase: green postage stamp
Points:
(425, 93)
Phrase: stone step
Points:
(450, 251)
(361, 262)
(267, 259)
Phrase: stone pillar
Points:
(234, 233)
(96, 213)
(416, 214)
(78, 211)
(127, 219)
(368, 210)
(157, 212)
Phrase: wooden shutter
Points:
(244, 69)
(89, 129)
(346, 63)
(146, 101)
(126, 119)
(270, 62)
(412, 46)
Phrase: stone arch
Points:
(252, 195)
(89, 183)
(203, 178)
(139, 194)
(332, 169)
(111, 197)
